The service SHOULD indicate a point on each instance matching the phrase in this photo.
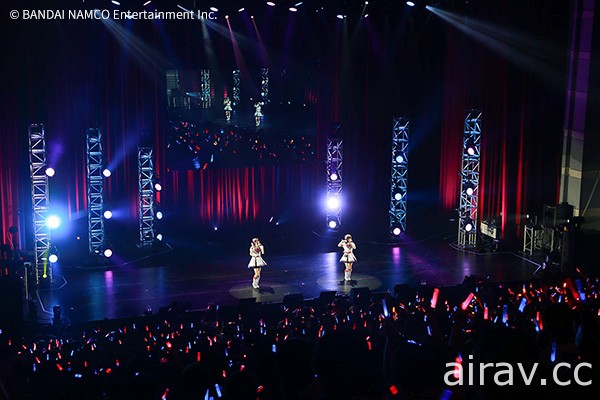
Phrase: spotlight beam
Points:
(521, 49)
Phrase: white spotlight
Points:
(215, 9)
(159, 215)
(398, 196)
(108, 214)
(157, 187)
(410, 3)
(332, 224)
(148, 2)
(340, 16)
(333, 202)
(470, 191)
(293, 9)
(50, 172)
(270, 3)
(471, 150)
(333, 176)
(396, 231)
(399, 158)
(159, 237)
(53, 258)
(107, 173)
(241, 9)
(53, 221)
(108, 253)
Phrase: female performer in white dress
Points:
(256, 260)
(227, 107)
(348, 257)
(258, 112)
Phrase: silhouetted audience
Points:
(339, 350)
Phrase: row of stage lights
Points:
(53, 221)
(292, 8)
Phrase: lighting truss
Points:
(264, 84)
(40, 201)
(205, 88)
(146, 195)
(236, 87)
(469, 183)
(400, 130)
(95, 190)
(334, 182)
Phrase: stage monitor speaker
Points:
(360, 296)
(404, 292)
(327, 297)
(295, 300)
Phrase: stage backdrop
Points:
(72, 75)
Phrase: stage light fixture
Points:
(53, 256)
(400, 158)
(159, 237)
(108, 214)
(270, 3)
(50, 172)
(159, 215)
(148, 2)
(467, 224)
(227, 17)
(108, 252)
(398, 196)
(241, 9)
(470, 147)
(297, 4)
(340, 16)
(333, 176)
(215, 9)
(333, 203)
(115, 2)
(366, 15)
(157, 186)
(410, 3)
(107, 173)
(53, 221)
(396, 231)
(293, 9)
(332, 224)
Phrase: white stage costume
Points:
(348, 256)
(256, 260)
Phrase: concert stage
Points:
(198, 273)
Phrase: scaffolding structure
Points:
(146, 195)
(264, 85)
(334, 182)
(40, 202)
(95, 190)
(236, 87)
(398, 182)
(205, 97)
(469, 183)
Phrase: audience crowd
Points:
(412, 343)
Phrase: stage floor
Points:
(205, 272)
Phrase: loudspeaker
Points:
(360, 296)
(295, 300)
(404, 293)
(326, 297)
